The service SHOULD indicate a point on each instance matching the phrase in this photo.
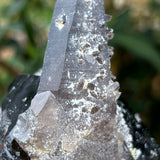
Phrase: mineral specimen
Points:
(75, 114)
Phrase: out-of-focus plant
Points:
(136, 63)
(24, 29)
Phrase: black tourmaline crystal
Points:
(20, 93)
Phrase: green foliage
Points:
(136, 43)
(138, 46)
(138, 56)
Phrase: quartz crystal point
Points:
(73, 115)
(57, 44)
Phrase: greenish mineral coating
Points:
(79, 119)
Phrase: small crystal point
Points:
(110, 33)
(109, 17)
(110, 51)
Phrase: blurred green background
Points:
(24, 27)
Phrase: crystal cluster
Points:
(77, 120)
(74, 114)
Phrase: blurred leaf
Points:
(5, 78)
(17, 62)
(2, 97)
(16, 7)
(155, 5)
(2, 32)
(139, 47)
(13, 27)
(29, 28)
(16, 26)
(121, 22)
(32, 52)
